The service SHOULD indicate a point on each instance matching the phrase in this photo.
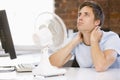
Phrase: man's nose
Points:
(80, 17)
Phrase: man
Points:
(91, 46)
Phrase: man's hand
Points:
(96, 35)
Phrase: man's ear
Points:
(97, 22)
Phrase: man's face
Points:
(86, 21)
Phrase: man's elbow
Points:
(100, 68)
(54, 62)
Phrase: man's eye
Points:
(79, 14)
(86, 14)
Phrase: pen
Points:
(50, 75)
(54, 75)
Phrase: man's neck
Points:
(86, 38)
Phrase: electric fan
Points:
(50, 34)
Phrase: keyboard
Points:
(24, 67)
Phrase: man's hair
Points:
(97, 10)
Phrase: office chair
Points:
(75, 63)
(71, 63)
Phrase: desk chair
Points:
(71, 63)
(75, 63)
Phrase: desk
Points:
(72, 73)
(91, 74)
(77, 74)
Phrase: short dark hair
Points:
(97, 10)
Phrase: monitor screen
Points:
(5, 35)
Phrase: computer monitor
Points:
(5, 35)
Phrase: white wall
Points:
(21, 16)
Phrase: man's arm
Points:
(102, 59)
(60, 57)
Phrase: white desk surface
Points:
(77, 74)
(72, 73)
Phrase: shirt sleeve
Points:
(113, 42)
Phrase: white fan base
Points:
(46, 69)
